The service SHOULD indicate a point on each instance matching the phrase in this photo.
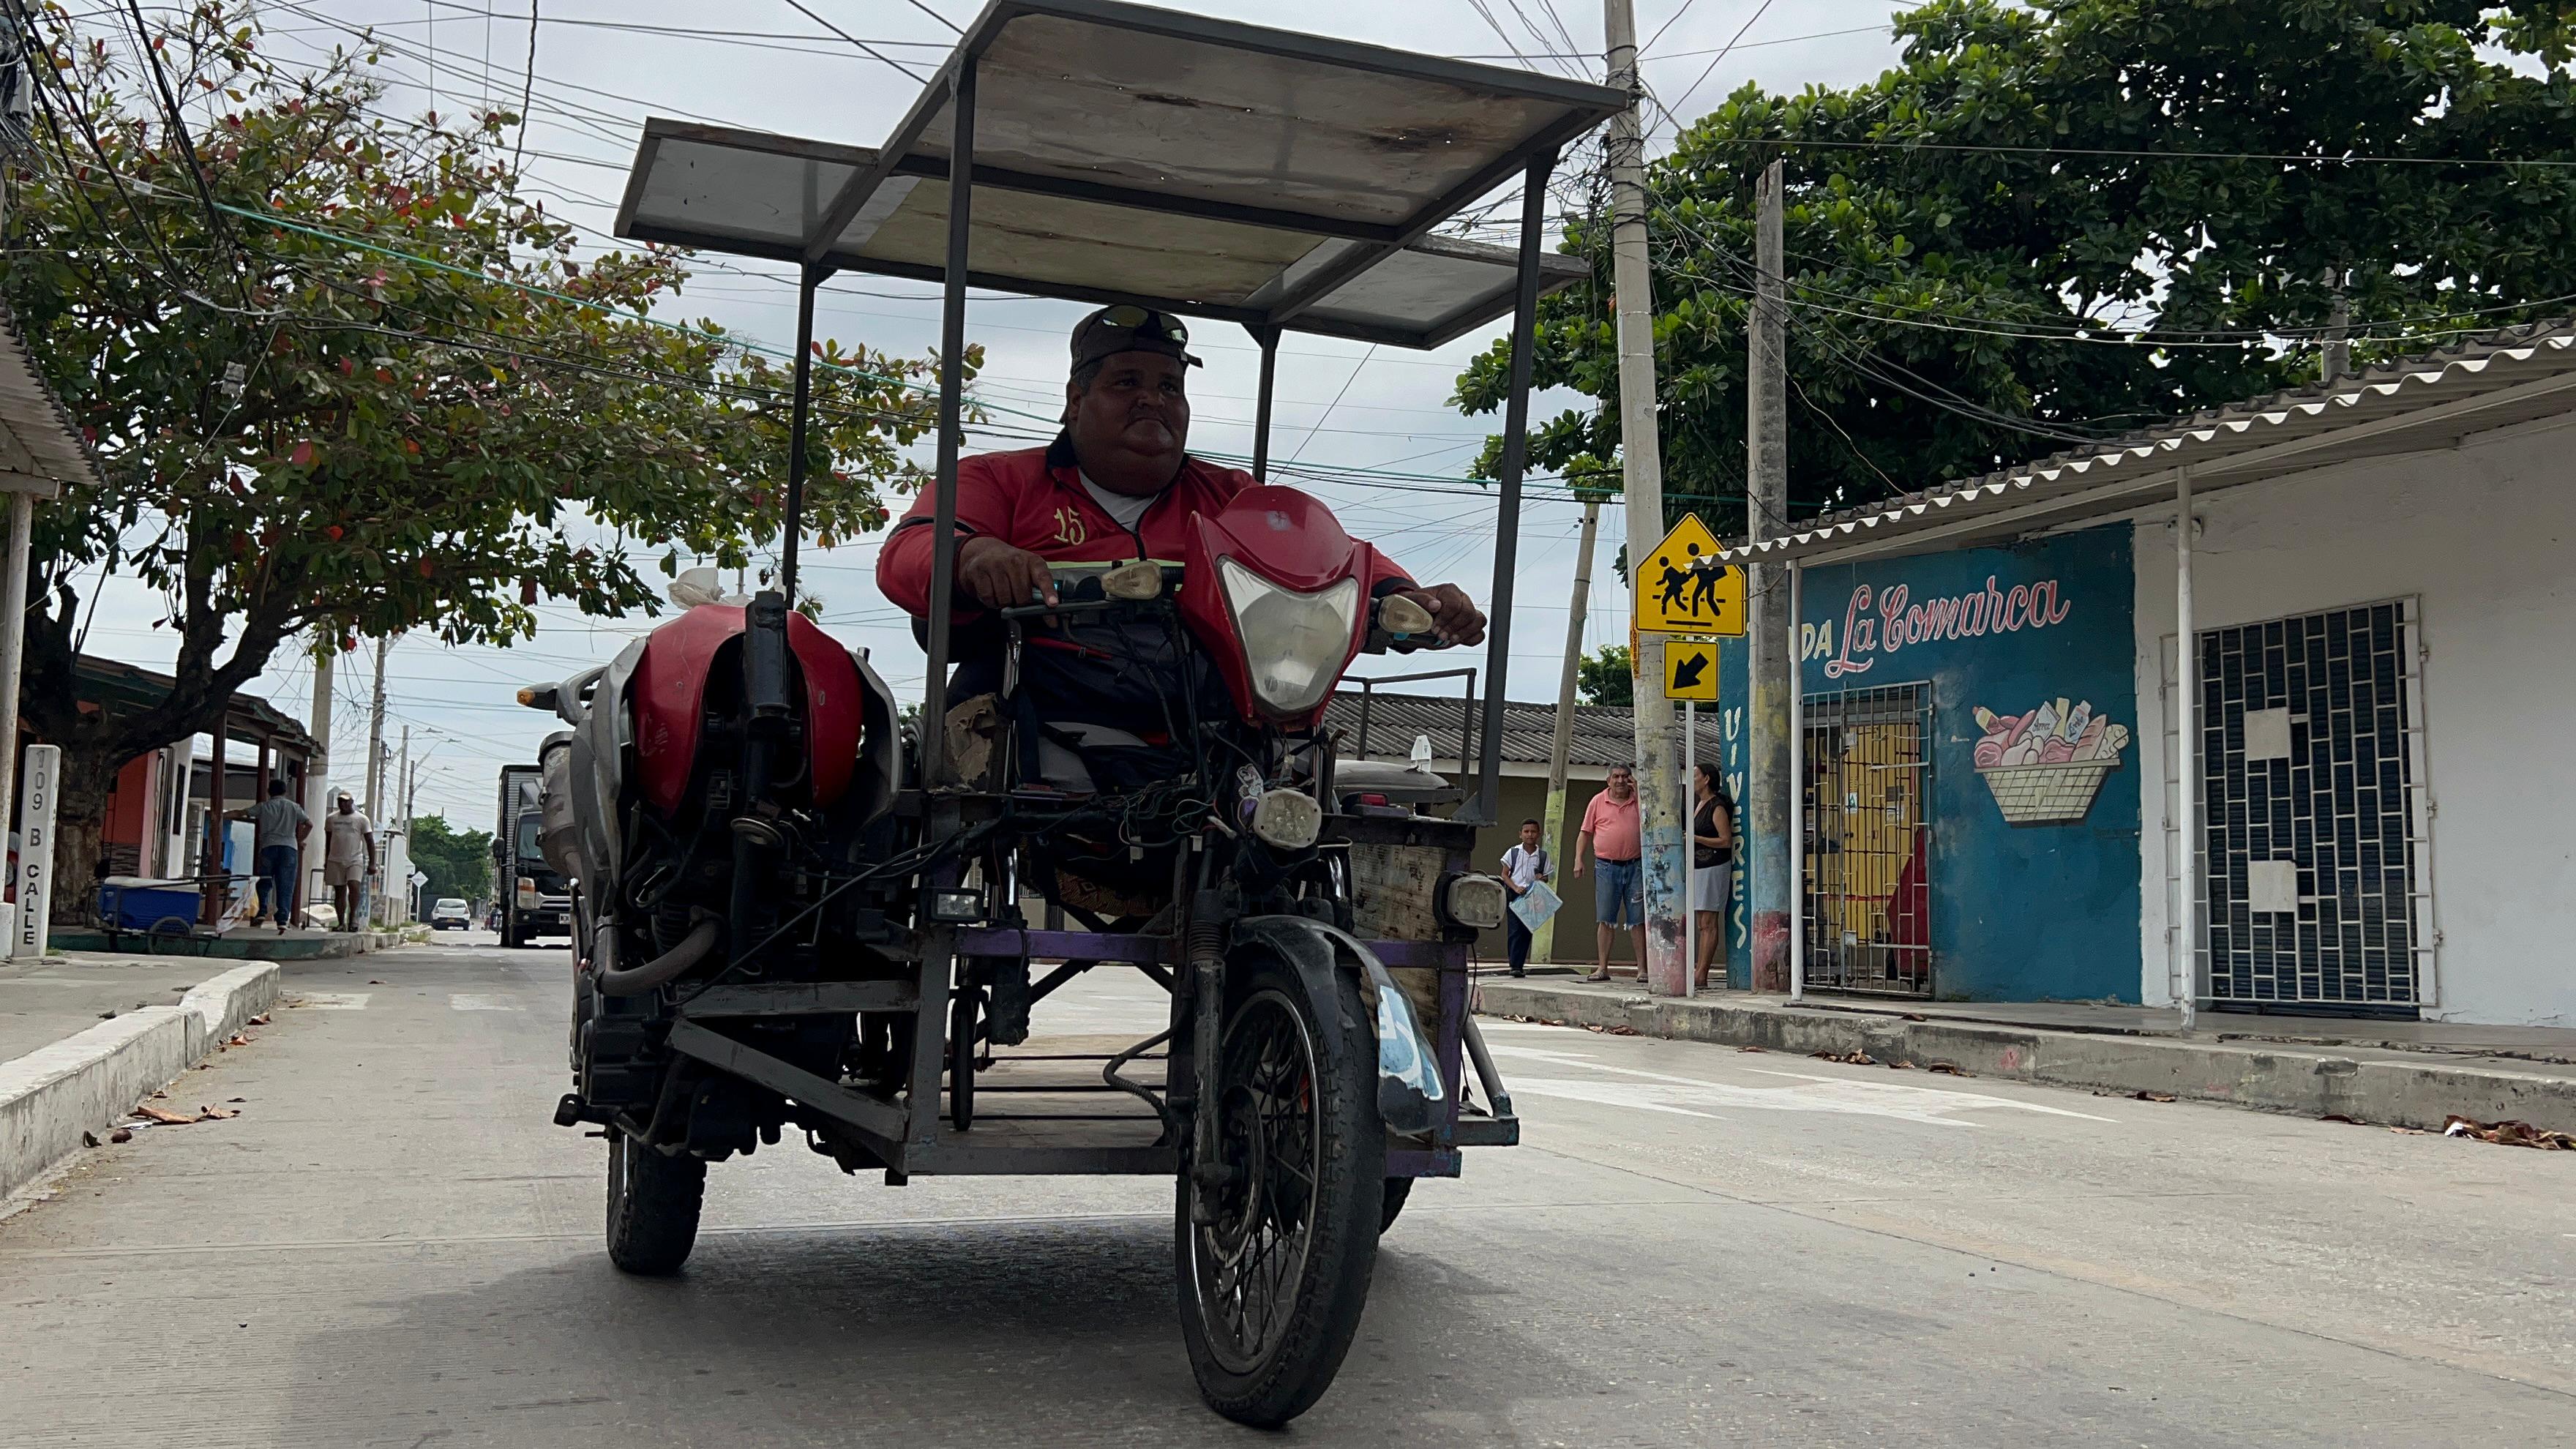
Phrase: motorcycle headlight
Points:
(1287, 819)
(1293, 643)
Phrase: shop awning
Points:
(1124, 153)
(2419, 404)
(39, 450)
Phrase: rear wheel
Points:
(1272, 1285)
(653, 1204)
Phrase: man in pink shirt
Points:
(1613, 839)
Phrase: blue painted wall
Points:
(2020, 912)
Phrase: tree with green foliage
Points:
(1607, 675)
(457, 862)
(344, 375)
(2051, 225)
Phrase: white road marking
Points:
(335, 1000)
(481, 1001)
(1658, 1091)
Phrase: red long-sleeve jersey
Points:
(1034, 500)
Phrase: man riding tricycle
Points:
(795, 909)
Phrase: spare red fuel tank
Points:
(670, 694)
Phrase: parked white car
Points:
(451, 914)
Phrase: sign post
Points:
(43, 770)
(1682, 590)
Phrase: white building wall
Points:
(2484, 536)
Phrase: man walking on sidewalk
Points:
(348, 859)
(1613, 838)
(279, 826)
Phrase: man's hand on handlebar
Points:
(1455, 619)
(998, 576)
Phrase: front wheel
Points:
(1272, 1284)
(1398, 1191)
(653, 1204)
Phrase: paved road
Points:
(392, 1247)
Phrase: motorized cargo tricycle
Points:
(797, 909)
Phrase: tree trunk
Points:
(80, 829)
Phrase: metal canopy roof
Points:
(1124, 153)
(2519, 375)
(39, 452)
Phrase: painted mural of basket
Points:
(2047, 794)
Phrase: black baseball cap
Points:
(1127, 327)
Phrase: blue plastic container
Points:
(136, 904)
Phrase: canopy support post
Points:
(1268, 337)
(1507, 530)
(808, 280)
(952, 382)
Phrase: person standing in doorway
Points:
(1613, 838)
(1712, 865)
(348, 858)
(279, 826)
(1524, 866)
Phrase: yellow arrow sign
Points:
(1681, 587)
(1690, 670)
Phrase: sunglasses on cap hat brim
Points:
(1131, 318)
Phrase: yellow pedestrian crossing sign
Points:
(1683, 589)
(1690, 670)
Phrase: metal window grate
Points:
(2313, 836)
(1866, 892)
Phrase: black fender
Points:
(1411, 1096)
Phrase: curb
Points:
(2400, 1089)
(86, 1081)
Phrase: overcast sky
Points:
(770, 68)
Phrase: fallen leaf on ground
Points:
(1914, 1016)
(156, 1114)
(107, 1016)
(237, 1099)
(160, 1096)
(375, 981)
(2339, 1117)
(1748, 1049)
(2512, 1133)
(1948, 1069)
(1900, 1066)
(2153, 1096)
(238, 1040)
(89, 1139)
(216, 1114)
(121, 1134)
(1855, 1057)
(260, 1020)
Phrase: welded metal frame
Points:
(913, 1136)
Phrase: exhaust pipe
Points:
(610, 979)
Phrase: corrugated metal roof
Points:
(40, 450)
(2518, 375)
(130, 687)
(1603, 735)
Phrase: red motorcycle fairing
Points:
(670, 691)
(1292, 540)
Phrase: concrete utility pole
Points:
(376, 736)
(1561, 749)
(1772, 867)
(1642, 463)
(317, 771)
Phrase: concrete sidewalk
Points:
(2407, 1074)
(84, 1038)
